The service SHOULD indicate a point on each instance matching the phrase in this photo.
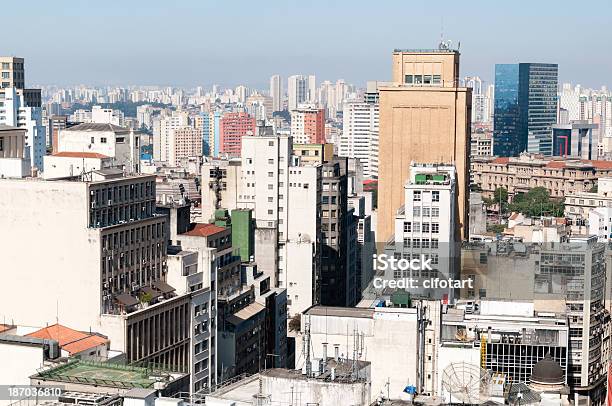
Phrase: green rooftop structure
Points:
(104, 374)
(243, 233)
(401, 298)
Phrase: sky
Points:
(230, 42)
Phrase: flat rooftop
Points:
(340, 312)
(104, 374)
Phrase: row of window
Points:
(435, 195)
(423, 79)
(417, 211)
(410, 227)
(421, 243)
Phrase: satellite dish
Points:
(466, 383)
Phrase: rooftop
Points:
(98, 127)
(103, 374)
(203, 230)
(80, 155)
(69, 340)
(340, 312)
(426, 51)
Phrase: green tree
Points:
(537, 202)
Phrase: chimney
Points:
(325, 352)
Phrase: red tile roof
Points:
(69, 340)
(204, 230)
(501, 160)
(80, 155)
(556, 164)
(4, 327)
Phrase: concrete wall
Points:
(50, 259)
(390, 344)
(304, 392)
(18, 363)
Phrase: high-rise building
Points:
(13, 72)
(114, 270)
(300, 89)
(424, 117)
(308, 125)
(359, 137)
(525, 108)
(425, 227)
(16, 112)
(161, 133)
(184, 142)
(276, 92)
(234, 126)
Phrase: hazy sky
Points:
(231, 42)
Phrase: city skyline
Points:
(328, 41)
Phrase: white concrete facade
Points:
(359, 137)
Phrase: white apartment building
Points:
(162, 134)
(285, 196)
(359, 137)
(579, 205)
(184, 142)
(425, 227)
(108, 142)
(107, 116)
(13, 112)
(276, 93)
(100, 263)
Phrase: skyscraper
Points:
(276, 92)
(300, 89)
(525, 108)
(425, 118)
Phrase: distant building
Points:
(575, 140)
(520, 174)
(308, 125)
(359, 137)
(276, 93)
(232, 127)
(300, 89)
(525, 108)
(17, 113)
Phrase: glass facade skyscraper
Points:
(525, 108)
(506, 125)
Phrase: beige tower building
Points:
(425, 118)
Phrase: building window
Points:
(425, 227)
(435, 212)
(417, 196)
(435, 228)
(407, 226)
(416, 211)
(1, 143)
(435, 196)
(483, 257)
(409, 79)
(103, 140)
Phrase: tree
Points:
(537, 202)
(295, 324)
